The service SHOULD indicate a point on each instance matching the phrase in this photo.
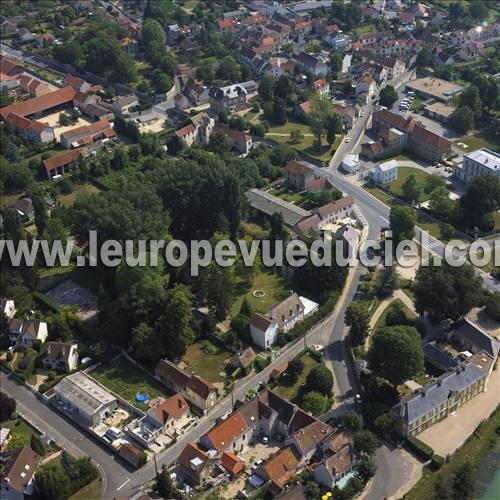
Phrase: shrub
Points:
(437, 462)
(143, 458)
(421, 449)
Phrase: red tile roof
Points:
(232, 462)
(225, 23)
(189, 452)
(73, 81)
(297, 167)
(60, 160)
(175, 406)
(20, 467)
(335, 206)
(200, 386)
(281, 466)
(227, 431)
(93, 128)
(41, 103)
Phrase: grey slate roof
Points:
(438, 357)
(438, 391)
(269, 204)
(478, 337)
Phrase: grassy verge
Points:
(92, 490)
(291, 390)
(206, 360)
(126, 379)
(68, 199)
(271, 284)
(21, 433)
(473, 451)
(480, 140)
(394, 304)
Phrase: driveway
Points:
(397, 472)
(449, 434)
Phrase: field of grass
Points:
(380, 195)
(92, 490)
(281, 134)
(68, 199)
(473, 451)
(206, 360)
(408, 313)
(478, 141)
(21, 433)
(290, 196)
(126, 379)
(291, 391)
(273, 285)
(403, 173)
(417, 105)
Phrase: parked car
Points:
(347, 140)
(264, 439)
(357, 399)
(256, 464)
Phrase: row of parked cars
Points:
(405, 104)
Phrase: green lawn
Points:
(253, 230)
(473, 451)
(92, 490)
(417, 105)
(281, 133)
(21, 433)
(68, 199)
(206, 360)
(478, 141)
(408, 313)
(380, 195)
(290, 196)
(273, 285)
(403, 173)
(291, 391)
(126, 379)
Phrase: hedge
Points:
(437, 462)
(43, 300)
(421, 449)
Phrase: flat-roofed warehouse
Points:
(434, 88)
(84, 398)
(269, 204)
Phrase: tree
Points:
(296, 136)
(7, 406)
(258, 129)
(412, 189)
(493, 306)
(315, 403)
(284, 88)
(37, 445)
(279, 112)
(481, 198)
(388, 96)
(174, 325)
(312, 490)
(445, 292)
(463, 483)
(335, 62)
(434, 181)
(40, 209)
(366, 467)
(402, 220)
(153, 40)
(462, 120)
(320, 379)
(386, 423)
(352, 421)
(440, 202)
(365, 441)
(321, 109)
(396, 354)
(145, 344)
(357, 317)
(164, 486)
(175, 144)
(218, 143)
(424, 57)
(478, 9)
(246, 308)
(295, 368)
(52, 482)
(470, 98)
(266, 87)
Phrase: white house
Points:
(25, 332)
(123, 105)
(60, 356)
(346, 63)
(264, 328)
(384, 172)
(480, 162)
(366, 84)
(350, 163)
(8, 308)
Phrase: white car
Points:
(362, 114)
(347, 140)
(264, 439)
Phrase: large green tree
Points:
(402, 221)
(445, 291)
(314, 402)
(480, 200)
(357, 317)
(396, 353)
(412, 189)
(388, 96)
(320, 379)
(52, 482)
